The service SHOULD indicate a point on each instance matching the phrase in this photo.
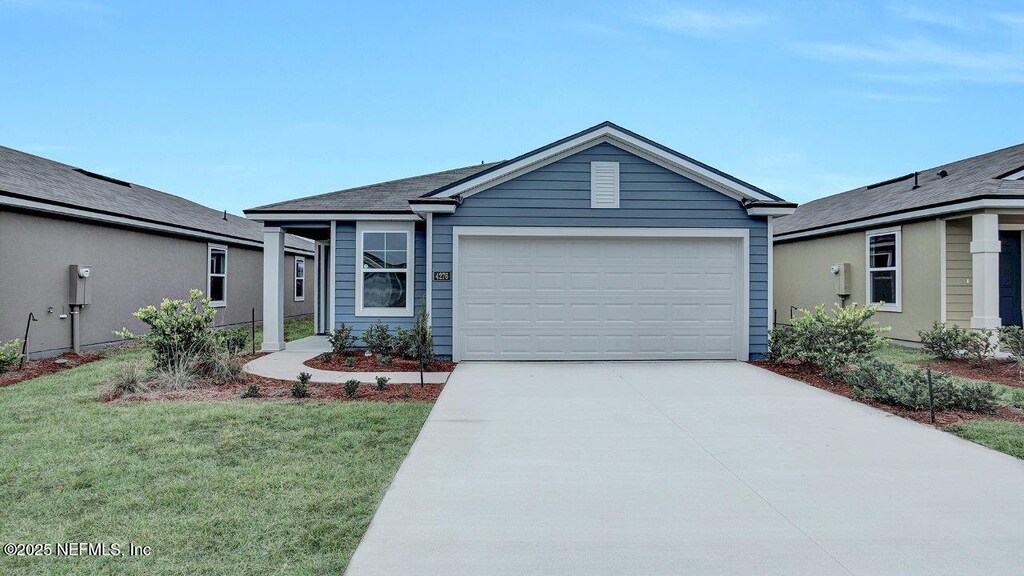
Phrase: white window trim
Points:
(296, 278)
(410, 294)
(898, 269)
(209, 274)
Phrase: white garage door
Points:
(608, 298)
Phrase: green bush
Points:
(981, 346)
(234, 340)
(253, 391)
(1012, 339)
(327, 357)
(300, 388)
(181, 332)
(832, 341)
(385, 360)
(10, 354)
(351, 387)
(1017, 398)
(350, 361)
(378, 339)
(890, 384)
(945, 341)
(341, 338)
(405, 347)
(422, 338)
(781, 341)
(382, 382)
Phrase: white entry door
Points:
(599, 297)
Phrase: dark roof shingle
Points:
(969, 178)
(31, 177)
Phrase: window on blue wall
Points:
(385, 276)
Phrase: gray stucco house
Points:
(602, 245)
(140, 246)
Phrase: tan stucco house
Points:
(942, 244)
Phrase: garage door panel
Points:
(553, 298)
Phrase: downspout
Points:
(76, 329)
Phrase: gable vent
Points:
(604, 184)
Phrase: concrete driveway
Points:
(686, 468)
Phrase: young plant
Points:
(422, 339)
(350, 361)
(833, 341)
(405, 347)
(234, 340)
(981, 346)
(300, 388)
(10, 354)
(130, 376)
(1012, 339)
(947, 342)
(385, 360)
(378, 339)
(351, 387)
(341, 338)
(327, 357)
(382, 382)
(253, 391)
(178, 328)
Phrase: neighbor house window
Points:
(217, 275)
(384, 276)
(883, 275)
(300, 278)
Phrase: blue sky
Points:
(240, 104)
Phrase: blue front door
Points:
(1009, 278)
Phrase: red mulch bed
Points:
(271, 389)
(370, 364)
(1001, 371)
(44, 366)
(807, 374)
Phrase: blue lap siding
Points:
(558, 194)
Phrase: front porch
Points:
(983, 280)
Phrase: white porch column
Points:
(985, 268)
(273, 289)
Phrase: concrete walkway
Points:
(686, 468)
(286, 365)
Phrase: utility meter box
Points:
(842, 274)
(79, 291)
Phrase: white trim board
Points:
(340, 216)
(611, 135)
(741, 234)
(333, 279)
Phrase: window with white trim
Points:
(884, 260)
(217, 275)
(384, 279)
(300, 278)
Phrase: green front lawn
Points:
(240, 487)
(999, 435)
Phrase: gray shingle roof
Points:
(30, 177)
(971, 178)
(391, 196)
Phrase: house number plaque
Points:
(442, 276)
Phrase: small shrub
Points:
(404, 345)
(781, 342)
(378, 339)
(130, 377)
(890, 384)
(947, 342)
(10, 354)
(234, 340)
(422, 338)
(182, 370)
(832, 341)
(350, 361)
(341, 338)
(1017, 398)
(977, 397)
(351, 387)
(385, 360)
(1012, 339)
(981, 346)
(327, 357)
(178, 328)
(382, 382)
(300, 388)
(253, 391)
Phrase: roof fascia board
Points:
(611, 135)
(431, 208)
(976, 204)
(344, 216)
(121, 220)
(770, 211)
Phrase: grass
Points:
(1001, 435)
(904, 354)
(241, 487)
(293, 330)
